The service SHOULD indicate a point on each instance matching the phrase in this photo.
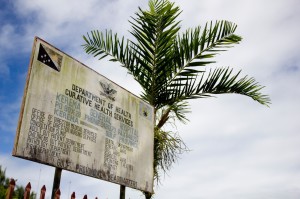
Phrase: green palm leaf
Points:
(218, 81)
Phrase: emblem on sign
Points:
(145, 111)
(49, 57)
(107, 91)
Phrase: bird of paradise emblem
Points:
(108, 91)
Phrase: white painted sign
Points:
(75, 119)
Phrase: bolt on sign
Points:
(76, 119)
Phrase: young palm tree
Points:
(171, 68)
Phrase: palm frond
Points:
(197, 47)
(221, 81)
(155, 31)
(102, 45)
(218, 81)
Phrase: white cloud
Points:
(9, 116)
(64, 22)
(7, 33)
(268, 29)
(4, 71)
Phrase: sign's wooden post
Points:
(122, 192)
(56, 182)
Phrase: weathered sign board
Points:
(75, 119)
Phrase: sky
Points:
(238, 148)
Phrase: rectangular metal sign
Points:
(75, 119)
